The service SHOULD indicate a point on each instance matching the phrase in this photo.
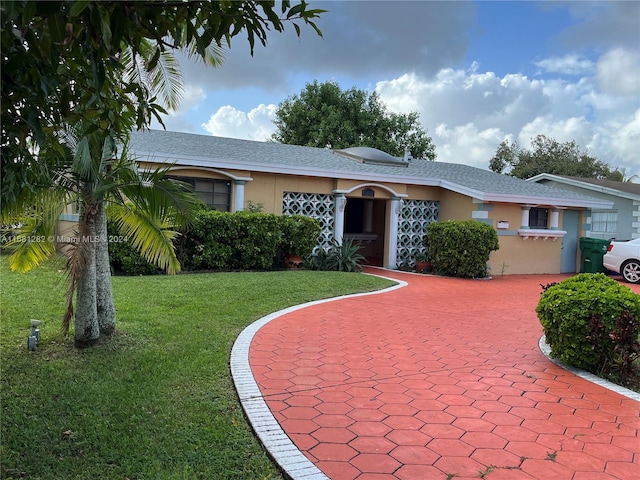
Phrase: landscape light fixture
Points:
(34, 336)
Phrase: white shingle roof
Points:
(228, 153)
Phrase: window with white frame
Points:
(604, 222)
(539, 218)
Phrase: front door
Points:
(569, 247)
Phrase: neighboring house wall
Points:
(627, 211)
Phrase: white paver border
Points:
(277, 443)
(546, 350)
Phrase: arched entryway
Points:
(364, 223)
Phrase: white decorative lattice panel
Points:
(414, 217)
(314, 205)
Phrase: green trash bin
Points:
(591, 252)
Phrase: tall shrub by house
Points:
(299, 234)
(592, 322)
(460, 248)
(231, 241)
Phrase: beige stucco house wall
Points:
(382, 202)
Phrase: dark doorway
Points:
(364, 224)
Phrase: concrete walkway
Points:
(436, 379)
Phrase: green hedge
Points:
(299, 234)
(228, 241)
(222, 240)
(592, 322)
(460, 248)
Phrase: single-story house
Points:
(382, 202)
(622, 222)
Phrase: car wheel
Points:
(630, 271)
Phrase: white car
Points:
(624, 258)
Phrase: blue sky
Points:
(477, 72)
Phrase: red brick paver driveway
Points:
(441, 379)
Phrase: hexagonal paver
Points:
(403, 422)
(369, 429)
(450, 448)
(498, 457)
(330, 420)
(367, 414)
(461, 466)
(333, 435)
(398, 409)
(408, 454)
(409, 437)
(300, 413)
(341, 470)
(372, 444)
(474, 424)
(334, 408)
(375, 463)
(484, 440)
(418, 472)
(433, 417)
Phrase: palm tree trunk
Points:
(106, 310)
(87, 331)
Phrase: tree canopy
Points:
(549, 156)
(324, 115)
(63, 62)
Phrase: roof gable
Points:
(620, 189)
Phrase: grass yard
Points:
(157, 400)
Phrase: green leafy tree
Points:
(323, 114)
(76, 78)
(549, 156)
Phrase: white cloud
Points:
(563, 130)
(467, 144)
(468, 113)
(625, 141)
(192, 97)
(618, 72)
(231, 122)
(572, 64)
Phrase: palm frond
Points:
(157, 70)
(35, 242)
(152, 191)
(166, 80)
(213, 54)
(150, 235)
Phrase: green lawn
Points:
(157, 401)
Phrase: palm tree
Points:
(82, 166)
(147, 207)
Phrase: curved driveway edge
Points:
(546, 349)
(443, 379)
(277, 443)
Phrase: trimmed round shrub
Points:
(591, 322)
(460, 248)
